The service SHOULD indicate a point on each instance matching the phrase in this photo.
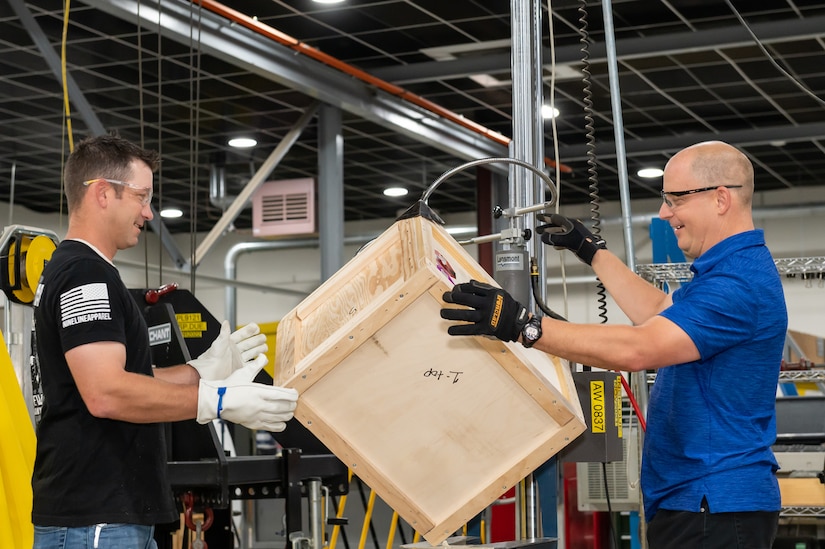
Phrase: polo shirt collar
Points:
(725, 248)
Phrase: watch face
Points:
(531, 332)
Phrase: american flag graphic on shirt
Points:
(85, 303)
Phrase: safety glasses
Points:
(143, 194)
(692, 191)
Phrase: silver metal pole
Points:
(330, 190)
(638, 382)
(512, 269)
(316, 513)
(618, 130)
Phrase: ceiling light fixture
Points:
(395, 191)
(327, 1)
(548, 111)
(171, 213)
(650, 173)
(242, 142)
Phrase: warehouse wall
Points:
(794, 231)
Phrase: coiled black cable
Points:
(590, 137)
(593, 179)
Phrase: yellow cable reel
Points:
(25, 255)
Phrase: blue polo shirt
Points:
(711, 423)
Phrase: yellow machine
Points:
(17, 444)
(24, 252)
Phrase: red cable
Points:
(633, 403)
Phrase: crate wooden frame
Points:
(438, 426)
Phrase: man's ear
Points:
(100, 193)
(724, 200)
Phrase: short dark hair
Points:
(108, 156)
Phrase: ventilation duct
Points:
(217, 183)
(285, 207)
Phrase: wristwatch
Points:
(531, 332)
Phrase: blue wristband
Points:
(221, 392)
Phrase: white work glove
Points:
(230, 352)
(240, 400)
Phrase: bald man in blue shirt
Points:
(708, 471)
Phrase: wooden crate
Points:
(802, 492)
(438, 426)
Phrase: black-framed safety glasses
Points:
(692, 191)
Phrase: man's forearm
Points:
(636, 297)
(182, 374)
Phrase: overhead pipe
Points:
(643, 47)
(230, 263)
(397, 91)
(263, 288)
(263, 57)
(217, 187)
(234, 253)
(217, 182)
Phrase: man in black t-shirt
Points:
(100, 468)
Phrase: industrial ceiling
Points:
(422, 87)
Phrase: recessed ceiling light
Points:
(650, 173)
(171, 213)
(549, 112)
(327, 1)
(395, 191)
(242, 142)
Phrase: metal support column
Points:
(330, 190)
(525, 190)
(637, 382)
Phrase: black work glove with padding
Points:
(492, 311)
(565, 233)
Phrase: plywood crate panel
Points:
(802, 492)
(438, 426)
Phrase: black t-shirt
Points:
(90, 470)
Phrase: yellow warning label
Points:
(617, 403)
(192, 326)
(597, 412)
(188, 317)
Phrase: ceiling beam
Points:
(87, 113)
(663, 144)
(53, 61)
(629, 48)
(246, 49)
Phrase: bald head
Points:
(715, 163)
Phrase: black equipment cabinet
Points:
(199, 468)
